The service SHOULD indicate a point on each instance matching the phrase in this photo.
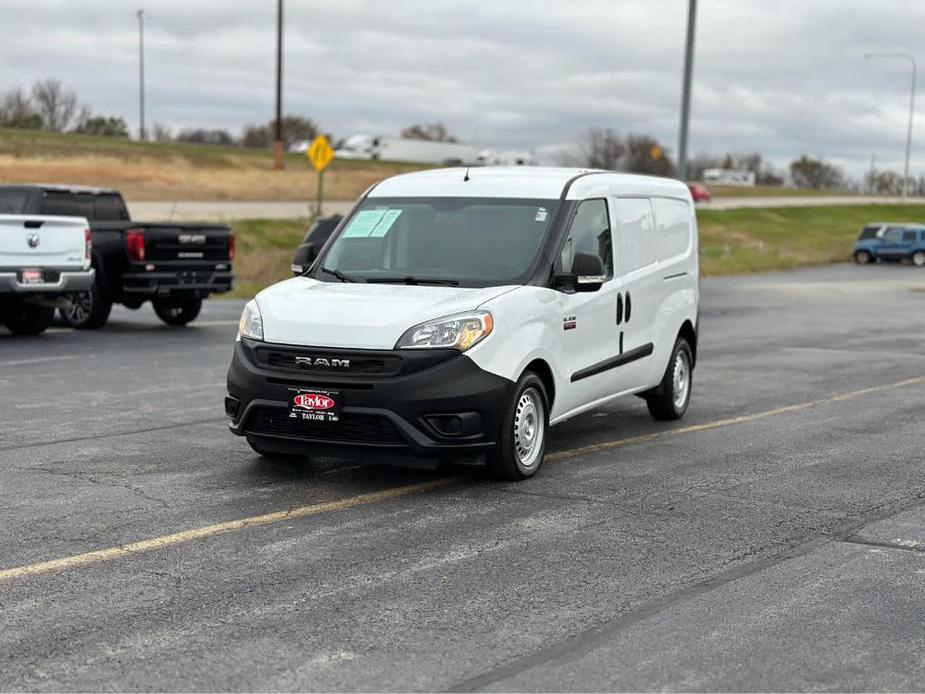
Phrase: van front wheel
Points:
(669, 400)
(522, 442)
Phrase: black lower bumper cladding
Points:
(395, 404)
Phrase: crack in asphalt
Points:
(137, 491)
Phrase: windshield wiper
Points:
(338, 274)
(410, 279)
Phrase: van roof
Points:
(534, 182)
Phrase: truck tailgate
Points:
(39, 241)
(186, 242)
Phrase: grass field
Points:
(731, 241)
(155, 171)
(175, 171)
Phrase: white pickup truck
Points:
(42, 260)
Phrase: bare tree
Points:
(56, 105)
(646, 156)
(18, 111)
(436, 132)
(161, 133)
(605, 149)
(808, 172)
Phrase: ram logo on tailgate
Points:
(191, 238)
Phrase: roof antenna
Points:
(466, 177)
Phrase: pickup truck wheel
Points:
(27, 319)
(863, 258)
(86, 310)
(918, 258)
(522, 441)
(669, 400)
(177, 311)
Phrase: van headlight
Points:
(251, 324)
(454, 332)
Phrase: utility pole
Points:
(278, 146)
(870, 180)
(141, 73)
(686, 90)
(904, 56)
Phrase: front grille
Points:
(352, 428)
(367, 366)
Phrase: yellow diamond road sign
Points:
(320, 153)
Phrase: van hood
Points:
(304, 311)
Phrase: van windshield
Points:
(467, 242)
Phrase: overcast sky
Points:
(782, 78)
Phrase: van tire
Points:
(27, 319)
(177, 312)
(669, 400)
(521, 444)
(918, 258)
(87, 310)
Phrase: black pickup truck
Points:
(175, 266)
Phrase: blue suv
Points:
(891, 243)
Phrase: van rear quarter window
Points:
(635, 230)
(673, 227)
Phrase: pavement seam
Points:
(585, 642)
(77, 439)
(917, 548)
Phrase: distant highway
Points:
(224, 210)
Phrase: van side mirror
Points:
(304, 256)
(588, 270)
(587, 274)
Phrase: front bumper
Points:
(164, 279)
(60, 282)
(396, 403)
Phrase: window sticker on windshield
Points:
(371, 223)
(363, 223)
(388, 219)
(541, 214)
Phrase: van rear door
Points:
(43, 242)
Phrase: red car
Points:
(699, 192)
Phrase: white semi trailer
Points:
(377, 147)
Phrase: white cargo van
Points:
(459, 313)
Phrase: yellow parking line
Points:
(219, 528)
(315, 509)
(786, 409)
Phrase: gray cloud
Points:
(782, 77)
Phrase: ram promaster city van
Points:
(457, 314)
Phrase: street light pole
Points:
(278, 146)
(141, 73)
(904, 56)
(686, 90)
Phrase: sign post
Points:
(320, 154)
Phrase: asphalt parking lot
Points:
(773, 539)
